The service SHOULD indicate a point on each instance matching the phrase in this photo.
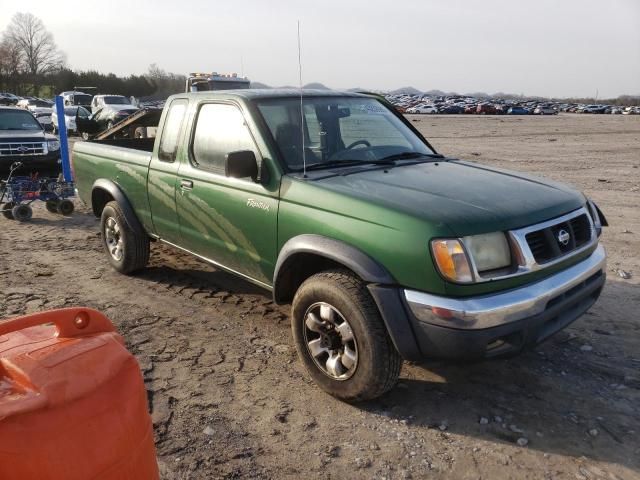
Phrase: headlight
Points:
(451, 260)
(489, 251)
(454, 257)
(53, 145)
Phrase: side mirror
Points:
(241, 164)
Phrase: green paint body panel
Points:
(388, 213)
(125, 167)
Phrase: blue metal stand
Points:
(64, 144)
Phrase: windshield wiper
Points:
(410, 155)
(348, 163)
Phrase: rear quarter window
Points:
(172, 129)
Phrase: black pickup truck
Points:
(23, 139)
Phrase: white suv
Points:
(114, 102)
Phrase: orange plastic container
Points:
(72, 401)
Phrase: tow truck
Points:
(202, 82)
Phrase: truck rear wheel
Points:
(127, 248)
(341, 338)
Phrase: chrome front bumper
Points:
(503, 308)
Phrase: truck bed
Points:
(142, 144)
(125, 162)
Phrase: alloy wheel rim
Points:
(330, 341)
(113, 239)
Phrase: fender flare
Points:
(359, 262)
(118, 195)
(381, 284)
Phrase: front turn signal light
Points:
(451, 260)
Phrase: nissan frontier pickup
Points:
(385, 249)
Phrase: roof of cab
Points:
(265, 93)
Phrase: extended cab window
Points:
(220, 129)
(171, 130)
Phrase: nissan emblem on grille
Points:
(563, 237)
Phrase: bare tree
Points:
(10, 64)
(156, 73)
(38, 53)
(9, 58)
(164, 83)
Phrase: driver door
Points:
(229, 221)
(87, 124)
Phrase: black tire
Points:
(65, 207)
(51, 206)
(7, 210)
(22, 213)
(378, 363)
(133, 253)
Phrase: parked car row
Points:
(458, 104)
(104, 110)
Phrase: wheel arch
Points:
(104, 191)
(306, 255)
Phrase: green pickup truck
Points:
(334, 202)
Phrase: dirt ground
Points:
(229, 398)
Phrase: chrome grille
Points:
(545, 244)
(26, 148)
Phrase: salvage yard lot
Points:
(230, 399)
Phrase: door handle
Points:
(186, 184)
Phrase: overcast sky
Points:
(536, 47)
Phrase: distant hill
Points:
(259, 85)
(406, 91)
(478, 95)
(316, 86)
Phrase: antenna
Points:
(304, 159)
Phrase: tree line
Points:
(32, 64)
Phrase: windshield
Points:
(18, 120)
(82, 99)
(116, 100)
(71, 111)
(338, 129)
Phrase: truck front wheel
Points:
(127, 248)
(341, 338)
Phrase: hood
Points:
(22, 136)
(468, 198)
(41, 110)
